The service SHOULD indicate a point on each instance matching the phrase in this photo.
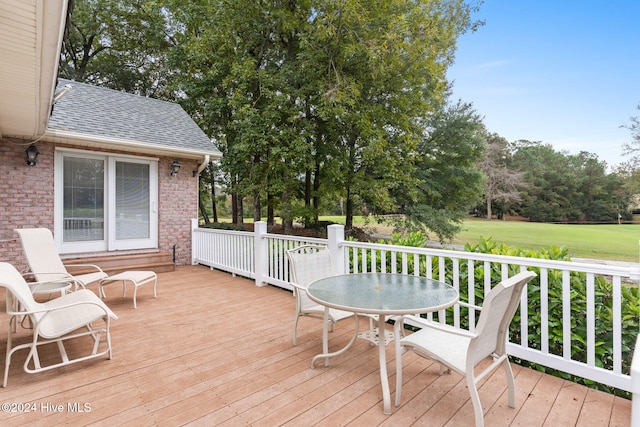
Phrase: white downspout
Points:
(204, 164)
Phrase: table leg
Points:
(384, 379)
(325, 335)
(325, 341)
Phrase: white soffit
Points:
(30, 39)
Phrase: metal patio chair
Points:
(461, 350)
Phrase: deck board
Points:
(214, 349)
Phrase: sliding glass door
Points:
(105, 202)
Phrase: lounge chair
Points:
(71, 316)
(45, 263)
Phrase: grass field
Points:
(610, 241)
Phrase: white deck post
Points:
(635, 386)
(261, 252)
(335, 236)
(194, 226)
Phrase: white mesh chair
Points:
(461, 350)
(71, 316)
(45, 263)
(309, 263)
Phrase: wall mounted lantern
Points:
(175, 168)
(32, 154)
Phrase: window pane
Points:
(83, 199)
(132, 201)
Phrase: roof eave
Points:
(102, 142)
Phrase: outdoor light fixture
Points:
(175, 168)
(32, 154)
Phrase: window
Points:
(105, 202)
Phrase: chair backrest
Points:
(498, 309)
(307, 264)
(11, 279)
(41, 253)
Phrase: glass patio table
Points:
(378, 294)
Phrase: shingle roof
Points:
(100, 112)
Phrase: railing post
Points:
(635, 386)
(335, 237)
(261, 252)
(194, 226)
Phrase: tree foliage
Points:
(120, 44)
(314, 102)
(317, 99)
(567, 188)
(448, 183)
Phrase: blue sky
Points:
(564, 72)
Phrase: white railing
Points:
(260, 255)
(635, 386)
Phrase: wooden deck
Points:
(213, 349)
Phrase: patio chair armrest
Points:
(298, 288)
(466, 304)
(423, 323)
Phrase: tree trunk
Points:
(307, 197)
(214, 207)
(203, 211)
(234, 208)
(349, 214)
(489, 213)
(316, 189)
(256, 207)
(270, 215)
(287, 219)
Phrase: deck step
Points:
(158, 262)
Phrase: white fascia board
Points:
(125, 144)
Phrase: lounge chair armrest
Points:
(66, 278)
(48, 310)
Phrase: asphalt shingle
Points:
(101, 112)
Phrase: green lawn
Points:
(610, 241)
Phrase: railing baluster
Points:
(566, 315)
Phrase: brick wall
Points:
(178, 204)
(26, 195)
(27, 198)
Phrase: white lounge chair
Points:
(461, 350)
(74, 315)
(45, 263)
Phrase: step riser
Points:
(159, 262)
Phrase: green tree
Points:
(314, 98)
(552, 183)
(601, 197)
(381, 65)
(565, 187)
(448, 181)
(120, 44)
